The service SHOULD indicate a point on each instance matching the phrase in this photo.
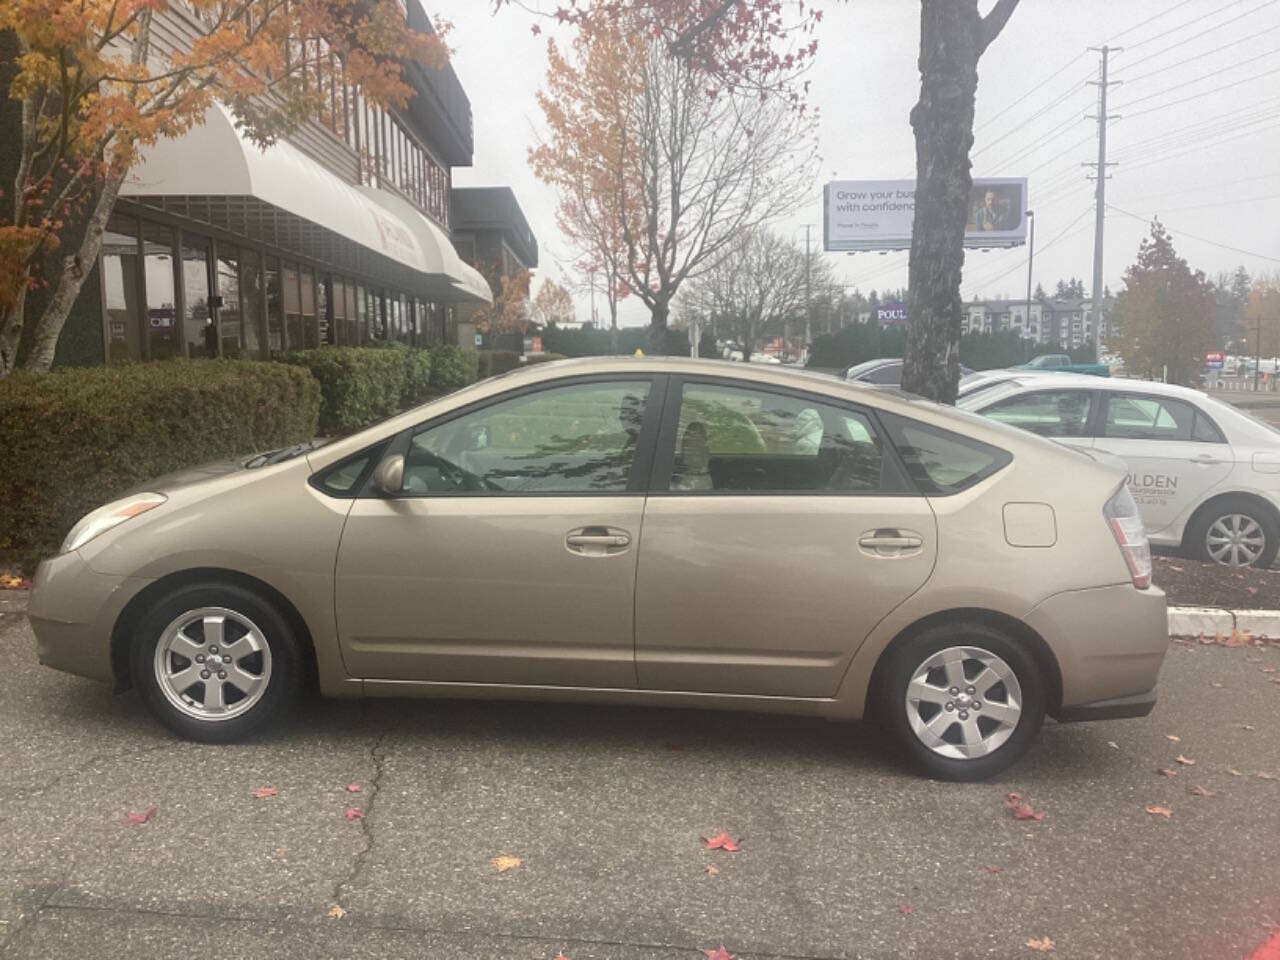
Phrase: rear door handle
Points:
(1206, 460)
(888, 542)
(898, 543)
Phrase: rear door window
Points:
(1138, 417)
(939, 461)
(1050, 413)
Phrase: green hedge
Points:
(358, 385)
(76, 438)
(452, 368)
(494, 362)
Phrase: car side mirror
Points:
(388, 476)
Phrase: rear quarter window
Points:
(939, 461)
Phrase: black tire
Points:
(1194, 540)
(904, 658)
(286, 664)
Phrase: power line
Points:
(1183, 26)
(1213, 243)
(1020, 127)
(1207, 53)
(1130, 166)
(1044, 246)
(1199, 36)
(1044, 140)
(1225, 123)
(1155, 16)
(1217, 183)
(1187, 83)
(1224, 203)
(1062, 69)
(1203, 93)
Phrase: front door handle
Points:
(890, 543)
(597, 541)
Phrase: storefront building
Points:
(340, 234)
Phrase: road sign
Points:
(1214, 360)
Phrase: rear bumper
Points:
(1110, 643)
(1117, 708)
(73, 610)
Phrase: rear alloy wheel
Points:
(1235, 533)
(965, 700)
(214, 662)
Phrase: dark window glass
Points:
(355, 315)
(1050, 413)
(1136, 417)
(310, 329)
(292, 308)
(251, 303)
(121, 289)
(1205, 430)
(888, 375)
(230, 321)
(345, 478)
(939, 461)
(338, 312)
(734, 439)
(574, 439)
(198, 325)
(162, 309)
(275, 307)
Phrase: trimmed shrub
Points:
(419, 372)
(76, 438)
(452, 368)
(494, 362)
(358, 385)
(544, 357)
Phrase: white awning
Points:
(216, 160)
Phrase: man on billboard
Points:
(994, 212)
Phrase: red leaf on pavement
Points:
(1266, 776)
(263, 792)
(1175, 567)
(1199, 791)
(1185, 761)
(354, 788)
(722, 841)
(906, 908)
(1269, 950)
(994, 869)
(560, 955)
(1166, 772)
(1021, 809)
(1157, 811)
(720, 953)
(133, 819)
(351, 813)
(1173, 737)
(1043, 945)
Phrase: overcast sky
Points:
(1207, 160)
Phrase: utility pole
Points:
(1031, 255)
(808, 301)
(1100, 195)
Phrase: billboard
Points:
(878, 214)
(892, 314)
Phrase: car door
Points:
(1065, 415)
(779, 530)
(509, 555)
(1175, 453)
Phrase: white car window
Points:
(1050, 413)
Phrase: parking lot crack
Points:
(85, 764)
(378, 756)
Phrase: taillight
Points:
(1126, 525)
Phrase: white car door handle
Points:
(1205, 460)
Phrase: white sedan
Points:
(1205, 474)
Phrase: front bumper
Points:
(1110, 643)
(72, 610)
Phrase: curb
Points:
(1209, 621)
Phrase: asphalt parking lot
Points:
(843, 853)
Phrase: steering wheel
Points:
(458, 478)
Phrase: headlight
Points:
(104, 518)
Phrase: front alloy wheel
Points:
(212, 663)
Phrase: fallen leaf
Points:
(1199, 791)
(712, 870)
(503, 862)
(336, 912)
(722, 841)
(1173, 737)
(906, 908)
(1156, 811)
(1216, 684)
(720, 953)
(1043, 945)
(351, 813)
(1234, 773)
(1251, 590)
(133, 819)
(1175, 567)
(1247, 726)
(1267, 669)
(1238, 638)
(354, 788)
(1185, 761)
(1266, 776)
(560, 955)
(9, 581)
(994, 869)
(279, 851)
(1113, 745)
(261, 793)
(1021, 809)
(1166, 772)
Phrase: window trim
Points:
(1001, 458)
(1196, 412)
(640, 468)
(659, 484)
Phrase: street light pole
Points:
(1031, 253)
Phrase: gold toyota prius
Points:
(666, 532)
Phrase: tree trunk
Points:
(75, 268)
(613, 325)
(11, 330)
(953, 36)
(656, 336)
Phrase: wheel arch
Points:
(137, 607)
(1262, 503)
(1015, 628)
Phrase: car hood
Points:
(216, 470)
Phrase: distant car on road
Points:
(1205, 474)
(1061, 363)
(885, 372)
(633, 530)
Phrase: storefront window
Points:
(310, 335)
(354, 296)
(120, 289)
(275, 308)
(230, 322)
(362, 317)
(198, 327)
(162, 311)
(336, 322)
(292, 309)
(251, 302)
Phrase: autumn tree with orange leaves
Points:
(553, 306)
(656, 168)
(96, 83)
